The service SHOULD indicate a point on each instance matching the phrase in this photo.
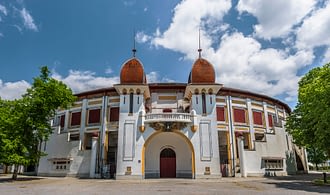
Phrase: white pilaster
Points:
(82, 123)
(231, 133)
(93, 157)
(264, 104)
(249, 108)
(241, 156)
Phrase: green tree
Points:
(309, 123)
(25, 123)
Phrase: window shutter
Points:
(62, 120)
(270, 120)
(75, 118)
(239, 116)
(94, 116)
(220, 114)
(114, 114)
(257, 118)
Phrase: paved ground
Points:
(298, 184)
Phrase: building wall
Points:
(139, 147)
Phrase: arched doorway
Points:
(182, 148)
(167, 163)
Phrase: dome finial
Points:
(199, 43)
(134, 49)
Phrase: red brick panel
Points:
(114, 114)
(257, 118)
(270, 120)
(75, 118)
(62, 120)
(94, 116)
(239, 115)
(220, 114)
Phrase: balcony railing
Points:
(169, 117)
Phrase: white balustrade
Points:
(171, 117)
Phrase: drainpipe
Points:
(231, 133)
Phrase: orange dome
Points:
(132, 72)
(202, 72)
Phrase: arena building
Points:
(198, 129)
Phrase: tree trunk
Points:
(317, 167)
(14, 177)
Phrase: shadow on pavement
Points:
(8, 179)
(302, 182)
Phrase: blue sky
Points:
(256, 45)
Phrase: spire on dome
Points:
(199, 43)
(134, 49)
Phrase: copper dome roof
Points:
(132, 72)
(202, 72)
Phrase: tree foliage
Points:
(309, 123)
(25, 123)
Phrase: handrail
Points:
(178, 117)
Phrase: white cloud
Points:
(182, 34)
(28, 20)
(327, 56)
(276, 18)
(141, 37)
(241, 62)
(129, 3)
(3, 10)
(154, 77)
(80, 81)
(13, 90)
(108, 70)
(315, 29)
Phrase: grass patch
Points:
(321, 182)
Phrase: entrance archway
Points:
(167, 163)
(183, 150)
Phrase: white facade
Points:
(204, 147)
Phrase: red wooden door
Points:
(167, 163)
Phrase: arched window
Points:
(203, 103)
(131, 103)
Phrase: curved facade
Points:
(198, 129)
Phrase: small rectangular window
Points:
(220, 114)
(260, 137)
(273, 164)
(74, 137)
(239, 115)
(94, 116)
(114, 114)
(88, 141)
(257, 118)
(62, 120)
(270, 120)
(75, 118)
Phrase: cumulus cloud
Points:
(327, 56)
(241, 61)
(182, 34)
(80, 81)
(13, 90)
(141, 37)
(154, 77)
(108, 70)
(3, 10)
(276, 18)
(28, 20)
(315, 29)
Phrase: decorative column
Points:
(240, 140)
(95, 138)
